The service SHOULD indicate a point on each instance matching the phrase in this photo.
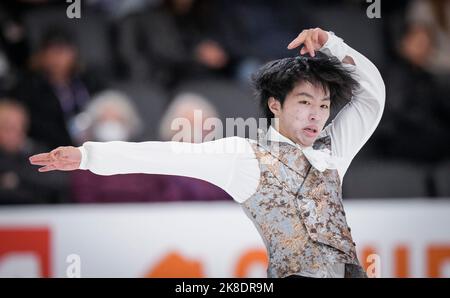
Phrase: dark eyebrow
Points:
(312, 97)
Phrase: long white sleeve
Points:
(357, 120)
(229, 163)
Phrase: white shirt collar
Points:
(275, 135)
(320, 159)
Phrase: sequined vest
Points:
(298, 212)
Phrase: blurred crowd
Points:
(126, 69)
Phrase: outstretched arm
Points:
(357, 121)
(225, 162)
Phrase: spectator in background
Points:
(13, 47)
(416, 107)
(19, 185)
(56, 90)
(111, 110)
(254, 30)
(435, 16)
(13, 34)
(195, 109)
(187, 106)
(178, 40)
(111, 116)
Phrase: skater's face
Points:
(303, 113)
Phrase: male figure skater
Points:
(289, 181)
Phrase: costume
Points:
(299, 214)
(292, 194)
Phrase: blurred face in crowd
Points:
(58, 61)
(190, 118)
(417, 45)
(13, 127)
(110, 125)
(303, 114)
(211, 54)
(196, 118)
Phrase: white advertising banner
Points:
(395, 238)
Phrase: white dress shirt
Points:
(230, 163)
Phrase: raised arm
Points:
(357, 121)
(223, 162)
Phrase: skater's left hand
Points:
(313, 40)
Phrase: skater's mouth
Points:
(311, 130)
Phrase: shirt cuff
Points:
(335, 46)
(83, 163)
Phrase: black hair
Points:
(55, 35)
(277, 78)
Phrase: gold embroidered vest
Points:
(298, 212)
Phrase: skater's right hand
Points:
(62, 158)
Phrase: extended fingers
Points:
(41, 163)
(47, 168)
(40, 158)
(308, 38)
(309, 46)
(315, 36)
(51, 161)
(298, 40)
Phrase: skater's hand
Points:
(62, 158)
(312, 39)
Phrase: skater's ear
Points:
(274, 106)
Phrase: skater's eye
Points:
(325, 107)
(304, 102)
